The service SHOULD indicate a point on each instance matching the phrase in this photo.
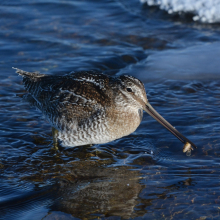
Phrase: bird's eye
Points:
(129, 89)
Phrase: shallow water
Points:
(143, 175)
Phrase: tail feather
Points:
(28, 74)
(31, 81)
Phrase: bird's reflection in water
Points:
(92, 189)
(95, 191)
(87, 187)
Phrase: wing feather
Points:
(69, 98)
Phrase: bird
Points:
(89, 107)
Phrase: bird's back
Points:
(75, 96)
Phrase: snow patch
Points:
(207, 11)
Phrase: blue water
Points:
(143, 175)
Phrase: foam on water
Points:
(205, 11)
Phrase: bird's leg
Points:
(55, 140)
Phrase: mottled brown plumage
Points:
(87, 107)
(91, 108)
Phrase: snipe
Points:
(90, 107)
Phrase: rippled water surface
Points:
(143, 175)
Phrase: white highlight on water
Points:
(207, 11)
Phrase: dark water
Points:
(144, 175)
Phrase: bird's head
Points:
(134, 96)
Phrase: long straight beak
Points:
(152, 112)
